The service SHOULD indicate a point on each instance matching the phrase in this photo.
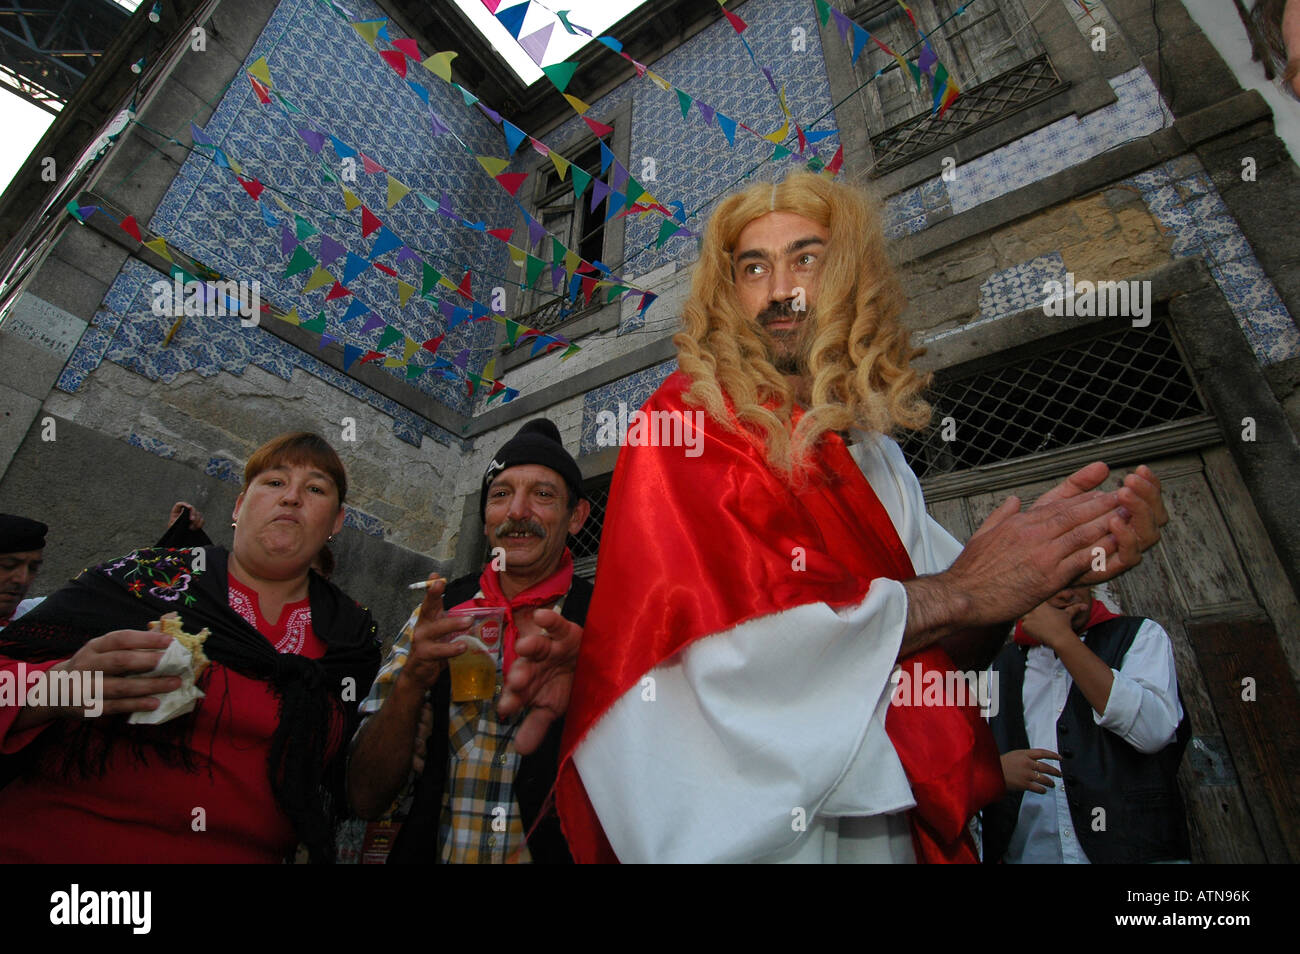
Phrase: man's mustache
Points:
(776, 311)
(521, 526)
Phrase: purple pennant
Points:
(770, 82)
(439, 127)
(288, 241)
(404, 254)
(620, 175)
(557, 276)
(444, 205)
(927, 59)
(200, 137)
(843, 22)
(330, 249)
(326, 339)
(490, 113)
(706, 111)
(598, 192)
(535, 43)
(373, 322)
(462, 356)
(536, 231)
(314, 140)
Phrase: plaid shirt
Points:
(480, 820)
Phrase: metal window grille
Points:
(557, 313)
(1027, 84)
(1103, 386)
(586, 542)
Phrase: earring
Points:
(233, 524)
(330, 539)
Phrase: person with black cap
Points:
(22, 551)
(488, 769)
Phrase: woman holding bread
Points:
(151, 770)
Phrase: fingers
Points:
(1085, 479)
(533, 730)
(137, 686)
(1009, 508)
(431, 608)
(1042, 754)
(130, 639)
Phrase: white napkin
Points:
(176, 661)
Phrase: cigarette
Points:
(424, 584)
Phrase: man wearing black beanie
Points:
(487, 768)
(22, 550)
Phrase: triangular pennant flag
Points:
(413, 371)
(370, 166)
(385, 242)
(502, 234)
(355, 310)
(372, 356)
(391, 273)
(737, 24)
(396, 190)
(464, 288)
(659, 81)
(599, 128)
(570, 27)
(834, 165)
(940, 85)
(780, 152)
(420, 90)
(860, 38)
(259, 89)
(326, 340)
(395, 59)
(440, 65)
(606, 157)
(561, 164)
(511, 181)
(560, 74)
(287, 239)
(433, 344)
(534, 269)
(254, 188)
(684, 101)
(539, 147)
(514, 135)
(220, 158)
(778, 137)
(389, 337)
(261, 71)
(369, 222)
(535, 43)
(614, 202)
(580, 181)
(612, 42)
(513, 18)
(268, 217)
(288, 106)
(350, 200)
(493, 164)
(409, 347)
(927, 59)
(159, 245)
(431, 278)
(338, 291)
(578, 105)
(200, 137)
(462, 358)
(728, 127)
(130, 227)
(304, 229)
(916, 73)
(393, 363)
(558, 250)
(319, 279)
(404, 254)
(372, 322)
(536, 231)
(292, 316)
(512, 331)
(634, 190)
(350, 355)
(301, 261)
(408, 46)
(469, 98)
(437, 125)
(843, 22)
(354, 267)
(316, 324)
(404, 293)
(598, 192)
(314, 140)
(369, 29)
(823, 10)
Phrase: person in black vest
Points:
(484, 771)
(1099, 693)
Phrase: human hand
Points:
(541, 677)
(1023, 772)
(196, 518)
(120, 656)
(429, 647)
(1047, 624)
(423, 729)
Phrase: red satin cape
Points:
(694, 546)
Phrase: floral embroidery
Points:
(167, 574)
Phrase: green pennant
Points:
(533, 269)
(569, 352)
(634, 190)
(285, 103)
(431, 278)
(684, 101)
(561, 73)
(816, 164)
(823, 11)
(557, 251)
(666, 229)
(512, 331)
(304, 228)
(390, 336)
(780, 152)
(301, 261)
(413, 371)
(316, 324)
(614, 293)
(580, 181)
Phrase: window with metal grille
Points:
(1030, 400)
(585, 544)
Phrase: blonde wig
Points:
(859, 354)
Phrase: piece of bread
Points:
(172, 626)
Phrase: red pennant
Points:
(254, 188)
(599, 128)
(834, 164)
(408, 47)
(503, 234)
(396, 60)
(588, 286)
(370, 166)
(511, 181)
(803, 140)
(737, 23)
(464, 288)
(369, 222)
(263, 94)
(373, 356)
(338, 291)
(433, 344)
(130, 228)
(470, 386)
(384, 268)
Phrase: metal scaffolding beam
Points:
(48, 47)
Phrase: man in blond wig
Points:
(732, 699)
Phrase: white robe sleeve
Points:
(750, 740)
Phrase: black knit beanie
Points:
(538, 442)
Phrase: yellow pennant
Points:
(440, 65)
(275, 197)
(350, 200)
(159, 245)
(393, 362)
(262, 72)
(494, 165)
(577, 104)
(658, 80)
(489, 370)
(396, 191)
(517, 255)
(561, 165)
(292, 317)
(370, 30)
(778, 137)
(319, 279)
(410, 349)
(571, 261)
(404, 292)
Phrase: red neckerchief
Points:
(546, 593)
(1097, 614)
(663, 539)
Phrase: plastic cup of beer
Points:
(474, 672)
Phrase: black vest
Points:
(1139, 793)
(417, 841)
